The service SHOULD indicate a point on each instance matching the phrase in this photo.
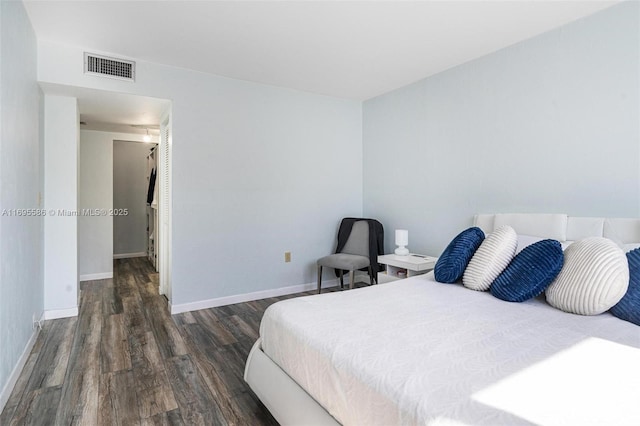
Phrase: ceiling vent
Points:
(109, 67)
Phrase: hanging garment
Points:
(152, 185)
(376, 241)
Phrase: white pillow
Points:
(594, 277)
(491, 258)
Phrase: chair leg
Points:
(341, 272)
(352, 275)
(319, 278)
(371, 279)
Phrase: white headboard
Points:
(623, 231)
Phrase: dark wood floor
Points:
(124, 361)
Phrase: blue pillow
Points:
(455, 258)
(628, 308)
(530, 272)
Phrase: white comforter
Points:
(421, 352)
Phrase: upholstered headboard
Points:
(623, 231)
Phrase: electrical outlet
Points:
(287, 256)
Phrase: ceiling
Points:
(347, 49)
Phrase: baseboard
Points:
(247, 297)
(100, 276)
(128, 255)
(60, 313)
(15, 374)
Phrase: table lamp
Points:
(402, 239)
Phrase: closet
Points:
(152, 207)
(130, 188)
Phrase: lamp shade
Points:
(402, 237)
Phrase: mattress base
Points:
(284, 398)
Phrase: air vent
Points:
(109, 67)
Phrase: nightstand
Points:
(411, 265)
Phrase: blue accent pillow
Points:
(530, 272)
(455, 258)
(628, 308)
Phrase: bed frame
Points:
(292, 405)
(285, 399)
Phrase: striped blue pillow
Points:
(530, 272)
(455, 258)
(628, 308)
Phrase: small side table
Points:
(411, 265)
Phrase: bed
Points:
(420, 352)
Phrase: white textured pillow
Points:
(491, 258)
(594, 277)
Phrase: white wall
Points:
(95, 233)
(257, 171)
(21, 240)
(130, 186)
(96, 192)
(551, 124)
(61, 121)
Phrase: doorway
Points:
(134, 200)
(106, 121)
